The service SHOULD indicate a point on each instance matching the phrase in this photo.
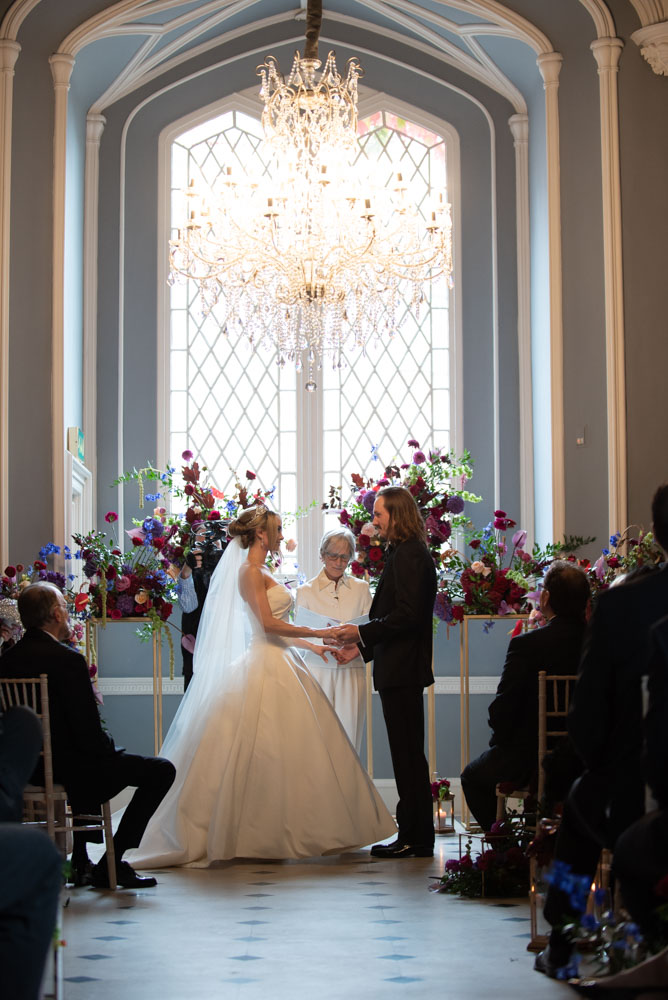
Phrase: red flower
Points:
(111, 516)
(38, 564)
(475, 543)
(137, 541)
(344, 517)
(458, 613)
(116, 552)
(10, 571)
(116, 614)
(20, 567)
(356, 568)
(375, 553)
(413, 443)
(214, 515)
(158, 543)
(250, 475)
(189, 489)
(364, 541)
(110, 572)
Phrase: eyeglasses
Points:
(335, 557)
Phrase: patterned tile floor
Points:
(327, 928)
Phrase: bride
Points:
(264, 768)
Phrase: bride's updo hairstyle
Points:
(252, 520)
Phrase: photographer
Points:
(193, 583)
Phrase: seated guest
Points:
(30, 865)
(605, 725)
(513, 715)
(336, 594)
(85, 759)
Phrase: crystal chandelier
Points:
(314, 258)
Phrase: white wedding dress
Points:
(270, 772)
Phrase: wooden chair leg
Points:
(109, 844)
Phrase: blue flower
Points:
(152, 496)
(71, 576)
(374, 453)
(488, 531)
(614, 539)
(606, 552)
(231, 505)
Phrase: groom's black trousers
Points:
(403, 710)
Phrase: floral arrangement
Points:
(615, 941)
(501, 868)
(204, 505)
(626, 553)
(440, 790)
(15, 578)
(436, 479)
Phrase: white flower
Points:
(369, 529)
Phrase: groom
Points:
(398, 637)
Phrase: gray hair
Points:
(344, 533)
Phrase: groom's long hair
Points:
(405, 518)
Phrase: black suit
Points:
(606, 727)
(85, 759)
(399, 638)
(513, 715)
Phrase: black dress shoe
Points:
(599, 989)
(398, 850)
(82, 873)
(546, 964)
(126, 877)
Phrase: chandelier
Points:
(314, 258)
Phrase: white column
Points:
(9, 53)
(607, 52)
(549, 65)
(94, 129)
(61, 70)
(519, 126)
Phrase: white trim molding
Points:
(61, 70)
(78, 507)
(652, 41)
(94, 129)
(144, 686)
(549, 65)
(607, 52)
(9, 53)
(519, 126)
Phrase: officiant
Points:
(336, 594)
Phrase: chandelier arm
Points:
(313, 22)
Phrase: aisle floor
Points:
(326, 928)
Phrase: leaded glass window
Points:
(235, 409)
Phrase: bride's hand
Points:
(322, 652)
(328, 635)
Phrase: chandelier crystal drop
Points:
(313, 258)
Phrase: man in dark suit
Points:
(513, 715)
(85, 759)
(399, 637)
(605, 726)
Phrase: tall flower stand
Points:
(92, 626)
(464, 690)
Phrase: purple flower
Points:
(455, 505)
(519, 539)
(413, 443)
(418, 458)
(187, 455)
(434, 454)
(383, 482)
(125, 604)
(405, 465)
(437, 529)
(443, 607)
(369, 500)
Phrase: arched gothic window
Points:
(237, 410)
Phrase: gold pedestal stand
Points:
(92, 626)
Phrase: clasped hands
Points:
(343, 639)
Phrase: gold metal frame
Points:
(156, 643)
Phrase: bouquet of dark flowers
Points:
(206, 510)
(498, 576)
(626, 553)
(125, 585)
(436, 479)
(501, 868)
(440, 790)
